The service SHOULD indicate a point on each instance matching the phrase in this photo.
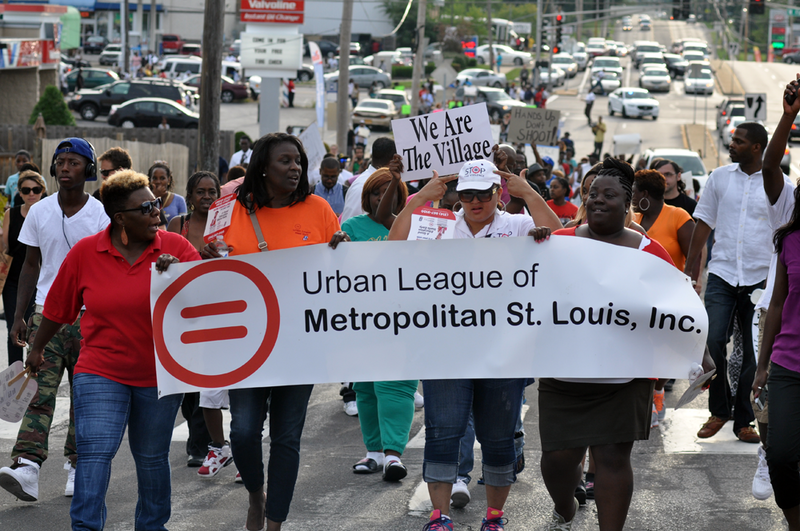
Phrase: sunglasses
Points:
(483, 195)
(36, 190)
(146, 207)
(106, 173)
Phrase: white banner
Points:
(443, 141)
(372, 311)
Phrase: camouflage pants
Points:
(60, 354)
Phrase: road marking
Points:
(553, 98)
(420, 502)
(679, 435)
(586, 72)
(794, 169)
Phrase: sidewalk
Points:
(698, 138)
(727, 82)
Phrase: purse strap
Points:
(262, 245)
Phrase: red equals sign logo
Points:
(214, 334)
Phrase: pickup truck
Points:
(171, 44)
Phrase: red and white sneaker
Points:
(216, 460)
(238, 478)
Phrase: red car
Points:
(171, 43)
(230, 89)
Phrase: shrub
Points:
(402, 72)
(429, 68)
(53, 108)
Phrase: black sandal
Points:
(370, 466)
(394, 471)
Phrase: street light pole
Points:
(343, 101)
(419, 60)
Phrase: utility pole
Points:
(211, 85)
(123, 34)
(419, 61)
(343, 101)
(538, 55)
(579, 25)
(151, 38)
(489, 28)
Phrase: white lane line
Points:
(628, 74)
(420, 502)
(586, 72)
(553, 98)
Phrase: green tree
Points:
(53, 108)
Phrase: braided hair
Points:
(622, 171)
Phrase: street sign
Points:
(273, 11)
(273, 51)
(755, 107)
(794, 12)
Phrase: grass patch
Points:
(513, 74)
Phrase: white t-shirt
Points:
(241, 157)
(778, 215)
(352, 201)
(47, 228)
(504, 225)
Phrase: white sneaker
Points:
(351, 408)
(23, 481)
(216, 460)
(70, 489)
(419, 400)
(459, 496)
(238, 478)
(654, 418)
(762, 487)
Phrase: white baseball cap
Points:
(477, 175)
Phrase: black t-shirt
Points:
(683, 201)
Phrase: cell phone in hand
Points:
(790, 98)
(761, 399)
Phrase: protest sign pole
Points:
(343, 106)
(419, 60)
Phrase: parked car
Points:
(398, 97)
(176, 67)
(700, 82)
(633, 102)
(566, 63)
(688, 160)
(235, 49)
(354, 60)
(148, 112)
(94, 44)
(92, 77)
(510, 55)
(606, 64)
(306, 73)
(498, 103)
(676, 64)
(325, 47)
(655, 78)
(171, 44)
(728, 108)
(355, 49)
(375, 112)
(364, 76)
(110, 58)
(93, 102)
(481, 77)
(75, 63)
(231, 90)
(192, 49)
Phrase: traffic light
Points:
(559, 20)
(756, 7)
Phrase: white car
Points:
(582, 58)
(558, 76)
(633, 102)
(611, 81)
(565, 62)
(689, 161)
(481, 77)
(510, 55)
(701, 82)
(607, 64)
(655, 78)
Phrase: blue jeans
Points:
(724, 303)
(466, 452)
(287, 415)
(495, 407)
(103, 409)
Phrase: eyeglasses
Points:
(106, 173)
(146, 207)
(36, 190)
(669, 174)
(483, 195)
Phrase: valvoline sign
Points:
(273, 11)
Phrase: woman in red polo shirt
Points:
(115, 378)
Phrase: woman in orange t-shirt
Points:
(670, 226)
(276, 190)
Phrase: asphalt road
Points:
(681, 483)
